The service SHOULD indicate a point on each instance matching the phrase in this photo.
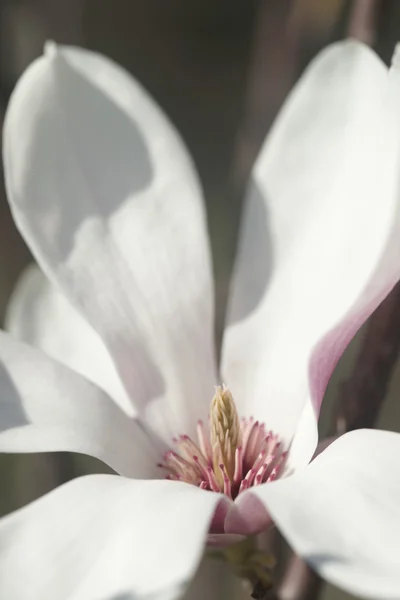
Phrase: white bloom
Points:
(107, 198)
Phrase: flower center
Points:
(230, 455)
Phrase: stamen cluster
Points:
(230, 456)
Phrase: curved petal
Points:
(104, 536)
(46, 407)
(105, 195)
(316, 254)
(342, 512)
(41, 316)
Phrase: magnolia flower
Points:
(106, 196)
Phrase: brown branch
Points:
(260, 593)
(362, 21)
(272, 72)
(300, 582)
(363, 394)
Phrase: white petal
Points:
(104, 536)
(46, 407)
(105, 194)
(342, 512)
(316, 254)
(41, 316)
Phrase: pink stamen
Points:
(204, 442)
(250, 476)
(212, 481)
(249, 435)
(246, 429)
(257, 460)
(202, 467)
(281, 463)
(173, 477)
(261, 473)
(188, 447)
(253, 438)
(238, 474)
(227, 482)
(181, 467)
(243, 486)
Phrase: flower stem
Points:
(251, 564)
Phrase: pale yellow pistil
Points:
(230, 456)
(224, 433)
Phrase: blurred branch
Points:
(362, 21)
(300, 582)
(259, 593)
(316, 18)
(362, 395)
(272, 73)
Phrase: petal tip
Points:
(396, 56)
(50, 49)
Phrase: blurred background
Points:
(221, 70)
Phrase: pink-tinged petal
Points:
(41, 316)
(342, 513)
(247, 516)
(104, 193)
(320, 240)
(45, 407)
(105, 536)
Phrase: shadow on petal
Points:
(92, 144)
(12, 413)
(319, 560)
(254, 267)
